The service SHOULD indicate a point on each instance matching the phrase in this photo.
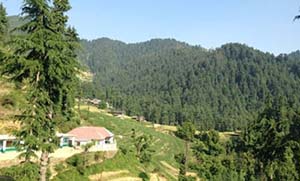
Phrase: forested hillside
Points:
(170, 82)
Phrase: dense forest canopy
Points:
(170, 82)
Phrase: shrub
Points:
(98, 156)
(59, 167)
(102, 105)
(22, 172)
(71, 174)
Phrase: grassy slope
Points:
(165, 146)
(11, 103)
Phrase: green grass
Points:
(165, 146)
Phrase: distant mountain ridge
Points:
(169, 82)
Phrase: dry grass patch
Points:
(121, 175)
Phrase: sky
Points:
(264, 24)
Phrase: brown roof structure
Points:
(90, 133)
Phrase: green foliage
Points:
(142, 145)
(165, 146)
(43, 58)
(71, 174)
(79, 162)
(59, 167)
(181, 160)
(102, 105)
(213, 164)
(13, 100)
(208, 143)
(3, 23)
(22, 172)
(170, 82)
(186, 131)
(274, 142)
(144, 176)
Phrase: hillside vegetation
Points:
(165, 147)
(11, 103)
(170, 82)
(234, 87)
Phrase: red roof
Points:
(90, 133)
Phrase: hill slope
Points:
(169, 81)
(125, 163)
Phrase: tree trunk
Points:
(88, 112)
(79, 101)
(43, 165)
(186, 156)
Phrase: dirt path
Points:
(156, 177)
(127, 179)
(175, 171)
(121, 175)
(170, 168)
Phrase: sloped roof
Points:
(90, 133)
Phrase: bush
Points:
(98, 156)
(75, 160)
(123, 150)
(22, 172)
(102, 105)
(144, 176)
(59, 167)
(156, 170)
(71, 174)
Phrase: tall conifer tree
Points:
(3, 32)
(44, 59)
(3, 21)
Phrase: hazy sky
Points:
(264, 24)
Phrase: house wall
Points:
(104, 147)
(7, 145)
(82, 143)
(111, 140)
(66, 141)
(1, 145)
(100, 143)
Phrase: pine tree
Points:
(69, 43)
(3, 22)
(44, 60)
(186, 132)
(273, 143)
(3, 33)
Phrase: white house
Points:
(103, 138)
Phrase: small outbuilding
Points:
(7, 143)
